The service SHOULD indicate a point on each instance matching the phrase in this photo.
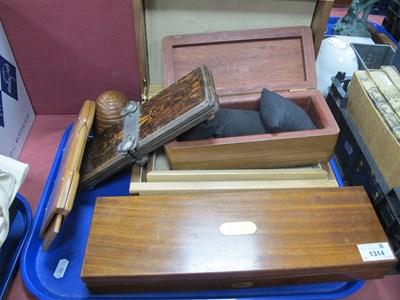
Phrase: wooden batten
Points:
(156, 178)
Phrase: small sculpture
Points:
(350, 24)
(108, 108)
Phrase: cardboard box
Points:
(243, 63)
(16, 112)
(376, 134)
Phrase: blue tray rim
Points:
(342, 290)
(25, 210)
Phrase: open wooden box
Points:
(242, 63)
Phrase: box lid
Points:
(232, 237)
(244, 62)
(149, 126)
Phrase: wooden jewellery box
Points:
(243, 63)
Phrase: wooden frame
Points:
(156, 177)
(141, 45)
(319, 21)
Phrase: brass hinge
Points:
(298, 90)
(145, 93)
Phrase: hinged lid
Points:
(244, 62)
(186, 103)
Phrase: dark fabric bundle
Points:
(280, 114)
(237, 122)
(227, 122)
(204, 130)
(277, 114)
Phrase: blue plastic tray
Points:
(378, 28)
(12, 247)
(37, 268)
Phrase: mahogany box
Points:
(243, 63)
(234, 240)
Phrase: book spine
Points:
(393, 75)
(381, 104)
(387, 88)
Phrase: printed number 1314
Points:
(377, 253)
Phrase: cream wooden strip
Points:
(236, 175)
(160, 163)
(156, 188)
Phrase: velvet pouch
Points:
(280, 114)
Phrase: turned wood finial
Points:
(109, 105)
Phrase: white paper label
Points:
(385, 80)
(61, 268)
(376, 251)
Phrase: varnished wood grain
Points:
(184, 104)
(245, 61)
(172, 242)
(109, 105)
(318, 25)
(102, 157)
(190, 91)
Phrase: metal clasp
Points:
(131, 114)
